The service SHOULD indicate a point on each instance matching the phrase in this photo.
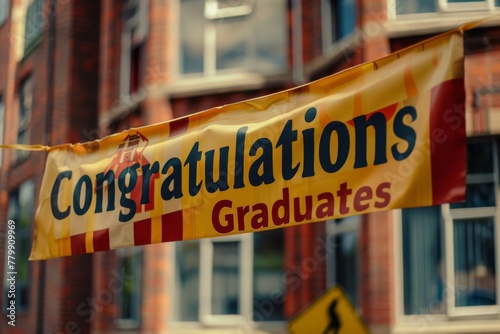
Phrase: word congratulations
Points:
(300, 153)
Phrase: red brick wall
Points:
(67, 281)
(377, 268)
(14, 173)
(312, 30)
(371, 19)
(305, 266)
(109, 53)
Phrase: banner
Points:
(386, 134)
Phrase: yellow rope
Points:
(25, 147)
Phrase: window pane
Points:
(413, 7)
(269, 37)
(191, 34)
(226, 278)
(21, 203)
(232, 45)
(422, 261)
(346, 262)
(33, 25)
(188, 278)
(343, 261)
(253, 41)
(130, 264)
(479, 158)
(342, 18)
(4, 10)
(475, 271)
(261, 47)
(477, 195)
(268, 284)
(346, 17)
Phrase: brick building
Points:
(85, 69)
(48, 95)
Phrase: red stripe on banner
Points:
(78, 244)
(448, 142)
(171, 226)
(179, 126)
(101, 240)
(142, 232)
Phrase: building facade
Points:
(49, 69)
(79, 70)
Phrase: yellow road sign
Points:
(331, 313)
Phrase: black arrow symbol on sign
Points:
(335, 324)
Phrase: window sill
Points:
(430, 23)
(421, 324)
(127, 324)
(230, 82)
(273, 327)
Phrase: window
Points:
(470, 229)
(430, 6)
(20, 210)
(134, 34)
(339, 20)
(423, 269)
(343, 262)
(4, 10)
(227, 280)
(25, 111)
(33, 25)
(129, 298)
(212, 39)
(449, 253)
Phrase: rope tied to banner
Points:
(23, 147)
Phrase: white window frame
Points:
(245, 275)
(445, 10)
(210, 78)
(327, 28)
(351, 224)
(126, 323)
(134, 32)
(465, 213)
(206, 320)
(447, 6)
(463, 315)
(213, 11)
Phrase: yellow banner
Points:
(386, 134)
